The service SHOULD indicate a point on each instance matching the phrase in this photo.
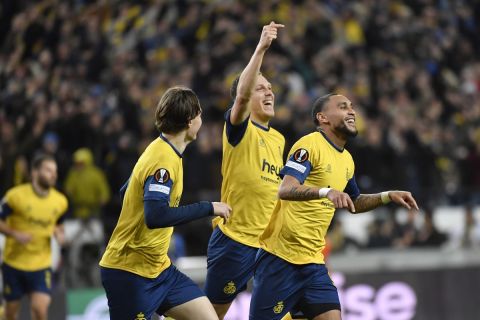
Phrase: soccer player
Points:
(30, 215)
(290, 272)
(252, 159)
(137, 274)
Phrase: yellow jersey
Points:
(38, 216)
(296, 231)
(133, 247)
(251, 163)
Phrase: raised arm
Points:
(367, 202)
(248, 77)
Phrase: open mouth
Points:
(350, 121)
(268, 103)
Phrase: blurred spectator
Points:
(336, 239)
(88, 191)
(468, 235)
(86, 186)
(471, 232)
(120, 163)
(407, 232)
(51, 145)
(384, 230)
(428, 235)
(379, 234)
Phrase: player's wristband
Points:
(322, 193)
(385, 197)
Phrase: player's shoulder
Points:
(307, 139)
(19, 193)
(58, 195)
(159, 151)
(158, 155)
(20, 189)
(347, 154)
(59, 198)
(275, 133)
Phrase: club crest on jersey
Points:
(278, 307)
(162, 175)
(301, 155)
(230, 288)
(140, 316)
(261, 143)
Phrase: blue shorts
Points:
(230, 265)
(280, 287)
(131, 296)
(18, 283)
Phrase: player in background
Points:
(137, 274)
(31, 214)
(251, 163)
(290, 272)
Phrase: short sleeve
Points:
(158, 186)
(235, 133)
(352, 188)
(5, 209)
(298, 164)
(8, 203)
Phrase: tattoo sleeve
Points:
(367, 202)
(300, 193)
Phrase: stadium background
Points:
(87, 74)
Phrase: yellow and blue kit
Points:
(135, 265)
(290, 270)
(27, 267)
(251, 163)
(252, 159)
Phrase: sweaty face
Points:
(46, 175)
(195, 125)
(340, 114)
(263, 100)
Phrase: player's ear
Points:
(321, 117)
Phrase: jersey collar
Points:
(260, 126)
(331, 142)
(171, 145)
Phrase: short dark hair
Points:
(318, 106)
(176, 108)
(39, 159)
(233, 88)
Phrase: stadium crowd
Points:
(86, 75)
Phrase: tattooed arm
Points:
(292, 190)
(367, 202)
